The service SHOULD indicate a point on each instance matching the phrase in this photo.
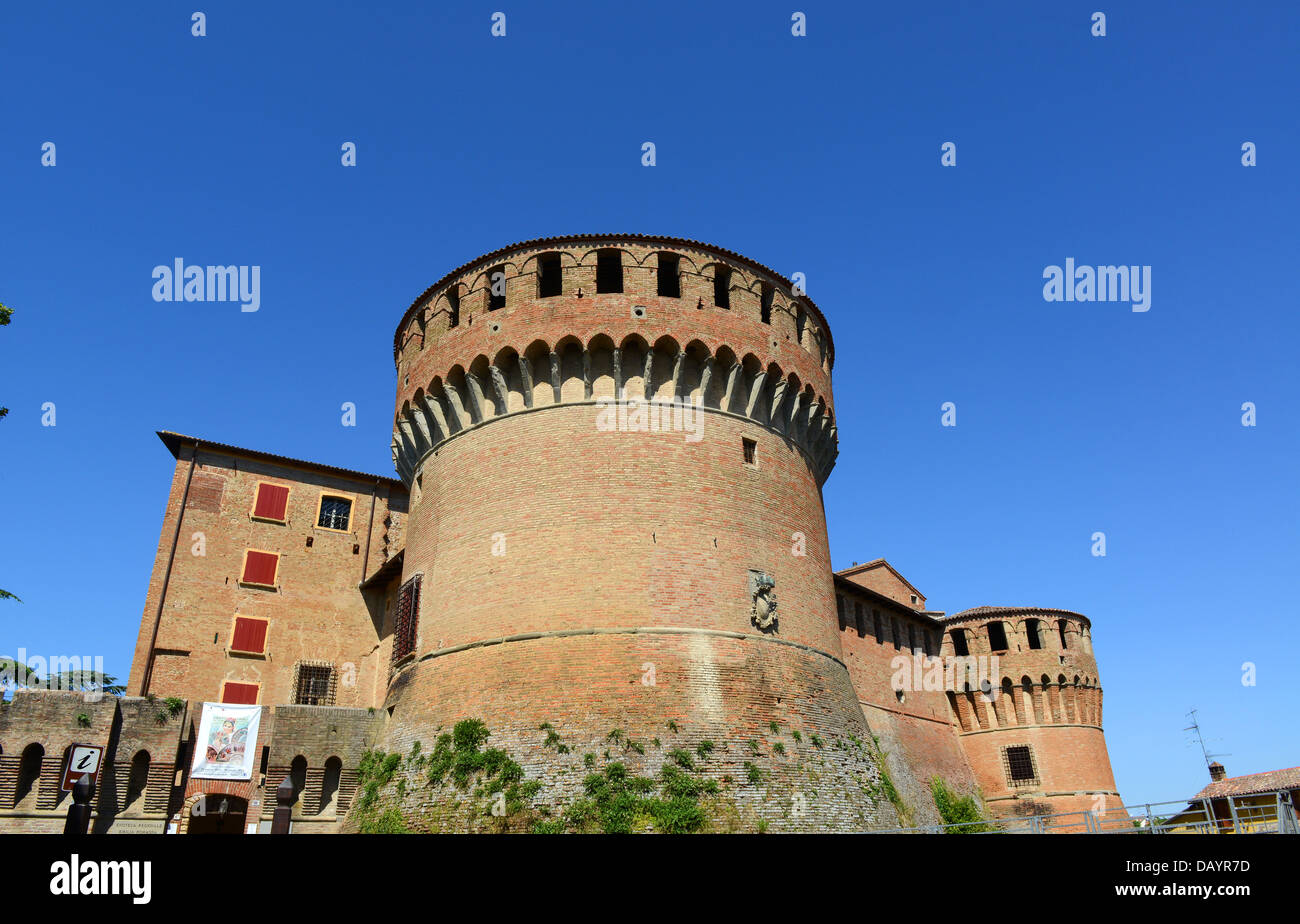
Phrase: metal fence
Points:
(1256, 813)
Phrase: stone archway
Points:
(216, 813)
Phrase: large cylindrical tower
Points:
(615, 446)
(1029, 710)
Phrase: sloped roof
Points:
(1012, 611)
(852, 587)
(174, 441)
(876, 564)
(1252, 782)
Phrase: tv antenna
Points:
(1200, 739)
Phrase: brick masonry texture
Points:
(574, 577)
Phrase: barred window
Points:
(313, 683)
(407, 622)
(1018, 762)
(334, 512)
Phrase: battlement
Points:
(574, 320)
(699, 275)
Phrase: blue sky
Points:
(818, 155)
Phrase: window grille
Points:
(407, 621)
(313, 683)
(1018, 762)
(334, 512)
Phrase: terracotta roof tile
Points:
(1252, 782)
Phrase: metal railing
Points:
(1256, 813)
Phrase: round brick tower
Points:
(1031, 728)
(655, 567)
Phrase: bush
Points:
(954, 809)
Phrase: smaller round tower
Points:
(1027, 703)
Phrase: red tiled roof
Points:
(1010, 610)
(174, 441)
(1252, 782)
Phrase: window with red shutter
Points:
(242, 694)
(260, 568)
(272, 502)
(249, 635)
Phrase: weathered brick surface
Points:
(316, 612)
(1058, 714)
(721, 689)
(563, 567)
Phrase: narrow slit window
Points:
(1060, 628)
(959, 643)
(1031, 629)
(750, 448)
(721, 286)
(766, 310)
(550, 277)
(670, 280)
(609, 271)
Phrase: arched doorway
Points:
(217, 814)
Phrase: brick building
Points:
(607, 535)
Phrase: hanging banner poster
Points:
(226, 742)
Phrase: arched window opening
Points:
(29, 774)
(329, 792)
(138, 779)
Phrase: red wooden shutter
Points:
(260, 567)
(249, 635)
(272, 501)
(244, 694)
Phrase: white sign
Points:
(83, 761)
(226, 743)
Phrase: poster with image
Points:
(226, 742)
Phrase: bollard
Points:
(283, 807)
(79, 811)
